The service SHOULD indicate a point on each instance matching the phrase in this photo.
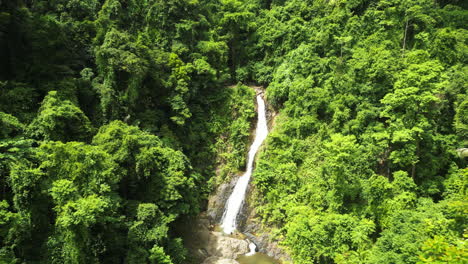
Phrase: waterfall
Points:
(236, 200)
(253, 249)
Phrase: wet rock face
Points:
(209, 247)
(226, 247)
(268, 247)
(250, 226)
(217, 201)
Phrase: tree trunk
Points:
(404, 37)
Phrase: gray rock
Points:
(204, 243)
(226, 247)
(217, 200)
(253, 230)
(209, 247)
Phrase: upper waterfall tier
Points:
(235, 201)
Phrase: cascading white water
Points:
(235, 201)
(253, 249)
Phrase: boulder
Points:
(202, 243)
(217, 200)
(225, 247)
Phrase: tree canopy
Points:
(119, 118)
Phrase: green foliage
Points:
(437, 250)
(407, 232)
(60, 119)
(11, 127)
(149, 227)
(461, 119)
(233, 143)
(321, 238)
(18, 99)
(89, 187)
(158, 256)
(153, 172)
(368, 105)
(371, 111)
(159, 66)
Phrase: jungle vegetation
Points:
(119, 117)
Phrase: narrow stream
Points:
(236, 200)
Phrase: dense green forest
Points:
(119, 117)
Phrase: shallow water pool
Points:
(258, 258)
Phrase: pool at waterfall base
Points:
(257, 258)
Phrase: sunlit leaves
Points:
(83, 211)
(60, 119)
(367, 103)
(439, 250)
(11, 127)
(179, 80)
(89, 168)
(407, 230)
(153, 172)
(317, 238)
(233, 143)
